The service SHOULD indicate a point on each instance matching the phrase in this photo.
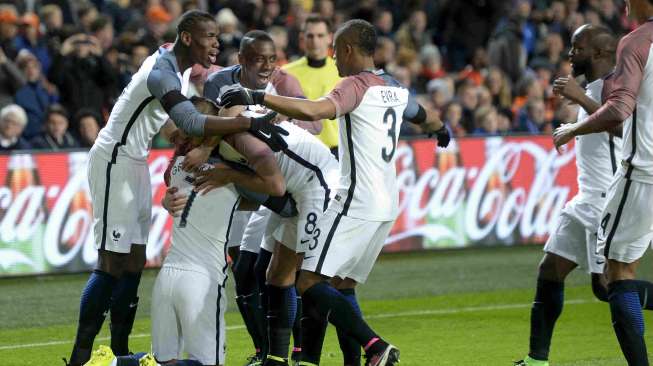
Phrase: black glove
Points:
(241, 96)
(442, 135)
(264, 130)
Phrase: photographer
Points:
(84, 73)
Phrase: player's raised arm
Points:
(299, 108)
(624, 85)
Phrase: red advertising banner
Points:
(479, 191)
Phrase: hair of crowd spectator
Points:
(487, 67)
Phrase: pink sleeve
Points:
(287, 85)
(622, 86)
(347, 94)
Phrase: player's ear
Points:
(185, 38)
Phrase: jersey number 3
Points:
(392, 133)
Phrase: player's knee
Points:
(599, 288)
(552, 269)
(111, 263)
(135, 261)
(305, 281)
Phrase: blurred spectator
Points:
(453, 117)
(316, 71)
(87, 124)
(86, 15)
(122, 13)
(431, 66)
(467, 96)
(477, 69)
(36, 95)
(383, 23)
(102, 29)
(507, 52)
(30, 39)
(55, 135)
(325, 8)
(157, 20)
(84, 73)
(484, 97)
(466, 26)
(533, 120)
(11, 79)
(528, 89)
(52, 23)
(280, 38)
(485, 119)
(12, 122)
(504, 121)
(385, 53)
(499, 87)
(174, 8)
(230, 36)
(270, 15)
(8, 30)
(412, 33)
(440, 92)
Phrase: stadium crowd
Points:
(486, 66)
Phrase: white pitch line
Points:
(376, 316)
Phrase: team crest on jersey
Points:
(116, 235)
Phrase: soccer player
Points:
(256, 70)
(188, 298)
(626, 221)
(119, 176)
(316, 71)
(309, 170)
(574, 242)
(370, 106)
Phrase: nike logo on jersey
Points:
(600, 262)
(304, 241)
(309, 257)
(266, 135)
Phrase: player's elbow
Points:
(276, 186)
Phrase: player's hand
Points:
(563, 134)
(442, 135)
(568, 87)
(265, 130)
(207, 180)
(174, 201)
(195, 158)
(241, 96)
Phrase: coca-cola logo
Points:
(466, 204)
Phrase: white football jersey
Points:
(371, 107)
(137, 115)
(597, 154)
(199, 234)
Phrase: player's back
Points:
(201, 244)
(306, 159)
(637, 138)
(137, 115)
(371, 106)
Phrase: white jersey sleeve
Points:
(138, 115)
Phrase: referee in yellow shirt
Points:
(316, 71)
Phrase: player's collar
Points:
(316, 63)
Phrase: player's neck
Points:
(182, 56)
(365, 64)
(598, 70)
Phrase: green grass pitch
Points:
(465, 307)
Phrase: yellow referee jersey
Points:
(317, 82)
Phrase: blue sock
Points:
(94, 303)
(351, 350)
(628, 321)
(292, 306)
(123, 311)
(260, 268)
(279, 323)
(547, 306)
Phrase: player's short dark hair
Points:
(315, 19)
(190, 19)
(362, 33)
(252, 37)
(55, 109)
(205, 105)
